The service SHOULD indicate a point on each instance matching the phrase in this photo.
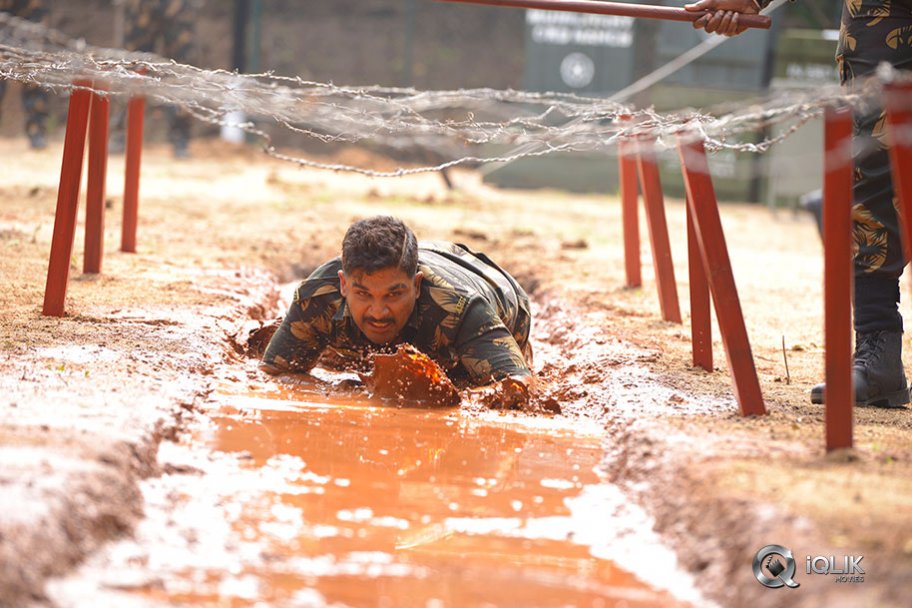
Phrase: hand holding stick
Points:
(623, 9)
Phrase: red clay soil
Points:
(87, 398)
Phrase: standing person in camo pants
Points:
(871, 32)
(169, 22)
(34, 98)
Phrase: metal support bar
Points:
(135, 116)
(658, 229)
(839, 394)
(95, 187)
(701, 200)
(700, 314)
(67, 201)
(629, 214)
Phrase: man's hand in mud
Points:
(282, 375)
(510, 393)
(722, 15)
(271, 369)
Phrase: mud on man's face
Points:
(380, 302)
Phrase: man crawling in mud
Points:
(455, 306)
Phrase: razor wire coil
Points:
(460, 125)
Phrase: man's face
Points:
(381, 302)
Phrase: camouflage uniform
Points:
(34, 98)
(873, 31)
(171, 22)
(471, 317)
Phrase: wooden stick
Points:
(654, 202)
(628, 186)
(67, 200)
(839, 394)
(700, 301)
(622, 9)
(136, 109)
(95, 187)
(707, 224)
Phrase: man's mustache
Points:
(378, 321)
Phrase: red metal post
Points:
(95, 188)
(67, 201)
(701, 199)
(898, 99)
(839, 394)
(700, 315)
(135, 116)
(658, 229)
(629, 213)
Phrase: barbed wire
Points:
(459, 127)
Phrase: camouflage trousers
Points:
(167, 21)
(34, 98)
(874, 31)
(165, 27)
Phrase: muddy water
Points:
(311, 497)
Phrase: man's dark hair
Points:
(379, 242)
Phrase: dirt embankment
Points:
(86, 401)
(86, 398)
(721, 486)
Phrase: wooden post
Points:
(707, 224)
(135, 116)
(700, 314)
(67, 200)
(839, 394)
(95, 188)
(630, 214)
(658, 229)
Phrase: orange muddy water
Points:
(303, 496)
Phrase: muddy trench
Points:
(113, 417)
(310, 493)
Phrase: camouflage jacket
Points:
(471, 317)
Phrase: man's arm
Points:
(509, 393)
(301, 338)
(722, 17)
(493, 359)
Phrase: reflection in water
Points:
(310, 500)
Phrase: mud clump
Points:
(410, 377)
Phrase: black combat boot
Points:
(877, 373)
(813, 204)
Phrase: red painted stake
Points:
(658, 230)
(135, 115)
(701, 200)
(95, 188)
(67, 201)
(700, 315)
(629, 214)
(839, 394)
(899, 123)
